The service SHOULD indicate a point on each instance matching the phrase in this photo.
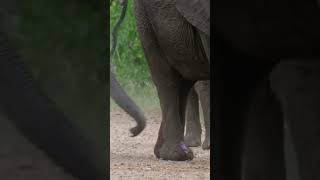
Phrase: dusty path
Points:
(132, 157)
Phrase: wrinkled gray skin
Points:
(172, 35)
(200, 91)
(127, 104)
(38, 118)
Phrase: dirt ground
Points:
(132, 158)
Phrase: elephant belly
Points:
(179, 41)
(194, 71)
(282, 29)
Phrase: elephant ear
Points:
(196, 12)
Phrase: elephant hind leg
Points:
(264, 151)
(203, 90)
(193, 125)
(170, 144)
(297, 86)
(172, 90)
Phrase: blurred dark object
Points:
(64, 45)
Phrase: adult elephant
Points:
(266, 71)
(127, 104)
(39, 120)
(174, 36)
(200, 91)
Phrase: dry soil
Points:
(132, 158)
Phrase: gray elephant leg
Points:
(263, 154)
(203, 90)
(292, 169)
(172, 92)
(38, 118)
(127, 104)
(297, 85)
(230, 93)
(193, 126)
(170, 143)
(234, 83)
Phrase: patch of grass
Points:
(129, 63)
(146, 98)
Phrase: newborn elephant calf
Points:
(200, 91)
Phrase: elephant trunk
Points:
(39, 119)
(127, 104)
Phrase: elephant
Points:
(265, 74)
(175, 37)
(126, 103)
(201, 90)
(38, 118)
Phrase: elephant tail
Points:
(127, 104)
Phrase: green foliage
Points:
(129, 63)
(58, 31)
(64, 45)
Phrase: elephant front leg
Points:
(170, 144)
(193, 125)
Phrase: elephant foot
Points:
(206, 144)
(178, 151)
(174, 152)
(192, 141)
